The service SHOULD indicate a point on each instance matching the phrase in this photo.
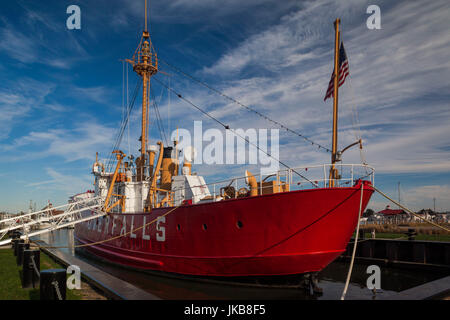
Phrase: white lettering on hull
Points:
(145, 236)
(132, 234)
(160, 230)
(96, 224)
(124, 226)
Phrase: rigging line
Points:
(355, 123)
(123, 90)
(156, 107)
(148, 113)
(120, 133)
(409, 211)
(162, 132)
(355, 115)
(168, 109)
(128, 124)
(227, 127)
(245, 106)
(124, 123)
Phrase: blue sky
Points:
(61, 90)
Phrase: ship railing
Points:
(298, 178)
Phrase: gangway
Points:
(70, 216)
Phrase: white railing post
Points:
(352, 174)
(290, 178)
(260, 183)
(278, 178)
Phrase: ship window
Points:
(205, 226)
(239, 224)
(178, 227)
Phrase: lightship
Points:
(162, 216)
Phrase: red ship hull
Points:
(278, 234)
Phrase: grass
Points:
(10, 279)
(424, 231)
(427, 237)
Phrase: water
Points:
(331, 280)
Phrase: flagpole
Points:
(333, 170)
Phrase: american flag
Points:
(343, 72)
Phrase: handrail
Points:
(286, 177)
(291, 170)
(48, 209)
(326, 179)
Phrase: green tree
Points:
(368, 213)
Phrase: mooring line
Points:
(354, 246)
(110, 239)
(409, 211)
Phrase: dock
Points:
(114, 288)
(434, 290)
(425, 255)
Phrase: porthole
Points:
(204, 227)
(239, 224)
(178, 227)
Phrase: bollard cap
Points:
(51, 271)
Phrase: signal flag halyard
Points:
(343, 72)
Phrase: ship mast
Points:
(333, 171)
(145, 64)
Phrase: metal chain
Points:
(58, 293)
(33, 263)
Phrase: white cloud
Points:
(18, 100)
(31, 39)
(393, 70)
(423, 196)
(79, 143)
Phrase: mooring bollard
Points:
(16, 248)
(14, 244)
(31, 268)
(53, 284)
(411, 234)
(20, 249)
(362, 234)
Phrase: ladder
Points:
(70, 216)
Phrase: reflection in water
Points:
(331, 280)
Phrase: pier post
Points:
(14, 244)
(411, 234)
(392, 251)
(53, 284)
(31, 268)
(20, 249)
(16, 247)
(368, 249)
(419, 253)
(362, 234)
